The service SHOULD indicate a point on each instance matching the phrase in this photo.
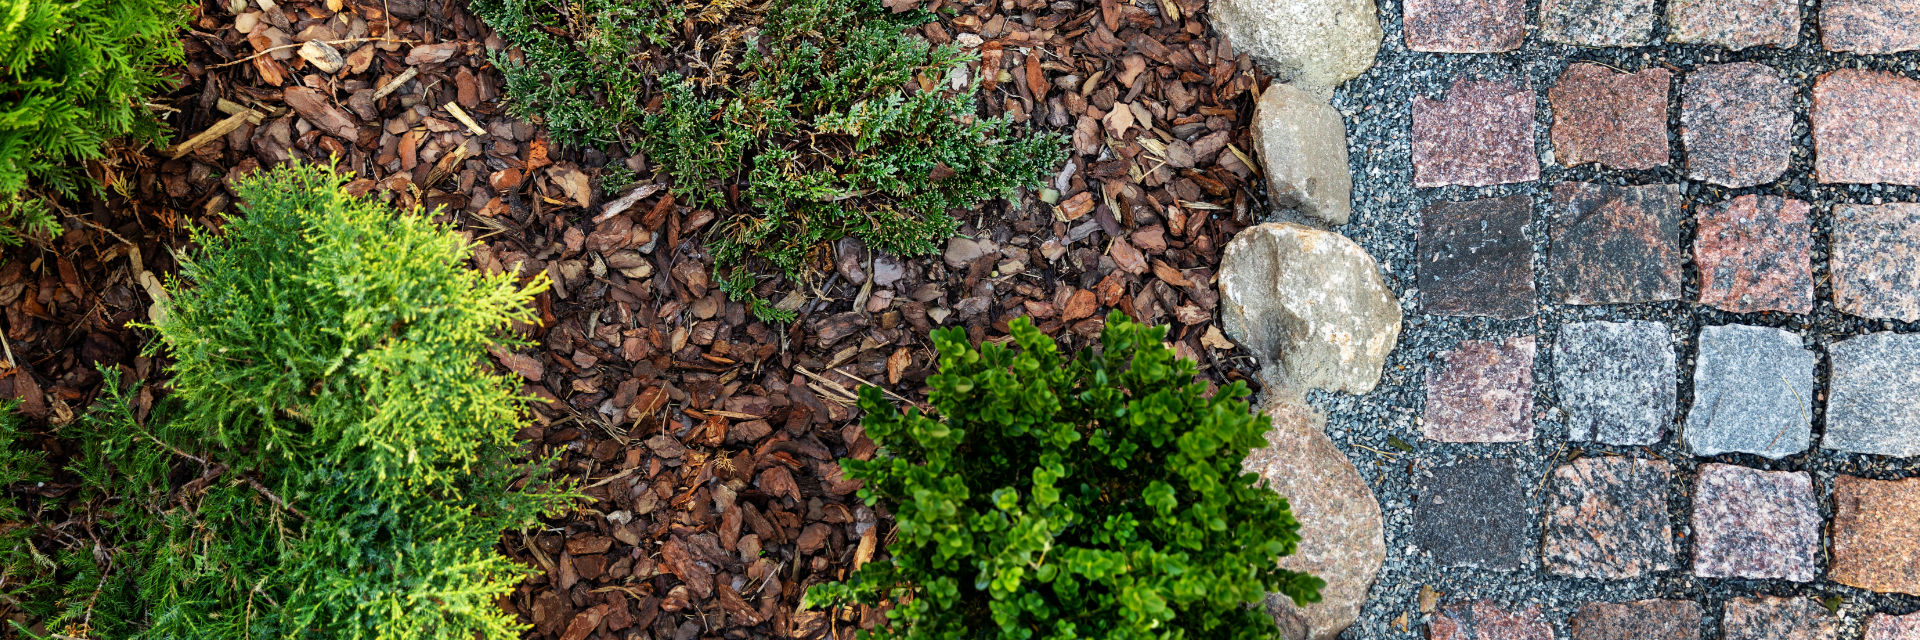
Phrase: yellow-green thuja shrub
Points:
(335, 460)
(1098, 496)
(75, 74)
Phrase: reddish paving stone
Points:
(1734, 24)
(1483, 392)
(1474, 513)
(1465, 26)
(1614, 245)
(1755, 253)
(1476, 258)
(1597, 23)
(1886, 626)
(1736, 121)
(1616, 119)
(1607, 518)
(1749, 523)
(1480, 135)
(1485, 620)
(1866, 128)
(1876, 260)
(1875, 545)
(1643, 620)
(1770, 618)
(1870, 26)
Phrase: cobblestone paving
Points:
(1660, 377)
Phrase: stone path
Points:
(1660, 268)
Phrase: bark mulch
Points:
(706, 439)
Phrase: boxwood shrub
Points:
(1099, 496)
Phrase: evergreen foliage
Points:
(74, 74)
(807, 120)
(1093, 497)
(335, 460)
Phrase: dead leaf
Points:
(897, 364)
(1212, 339)
(1119, 121)
(574, 183)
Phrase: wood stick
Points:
(218, 129)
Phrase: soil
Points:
(706, 439)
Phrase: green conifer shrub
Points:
(803, 120)
(1093, 497)
(75, 74)
(335, 459)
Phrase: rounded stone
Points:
(1317, 42)
(1310, 305)
(1342, 534)
(1302, 144)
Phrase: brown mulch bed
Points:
(706, 439)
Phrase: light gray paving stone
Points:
(1875, 397)
(1615, 381)
(1752, 393)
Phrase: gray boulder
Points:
(1311, 307)
(1317, 42)
(1302, 144)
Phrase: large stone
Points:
(1616, 245)
(1321, 43)
(1643, 620)
(1616, 381)
(1302, 143)
(1755, 253)
(1341, 536)
(1876, 260)
(1876, 378)
(1597, 23)
(1465, 26)
(1616, 119)
(1607, 519)
(1736, 121)
(1875, 544)
(1485, 620)
(1476, 258)
(1474, 513)
(1866, 128)
(1752, 393)
(1870, 26)
(1480, 135)
(1886, 626)
(1734, 24)
(1311, 307)
(1755, 524)
(1770, 618)
(1481, 392)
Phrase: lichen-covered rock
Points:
(1321, 42)
(1341, 536)
(1311, 307)
(1302, 144)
